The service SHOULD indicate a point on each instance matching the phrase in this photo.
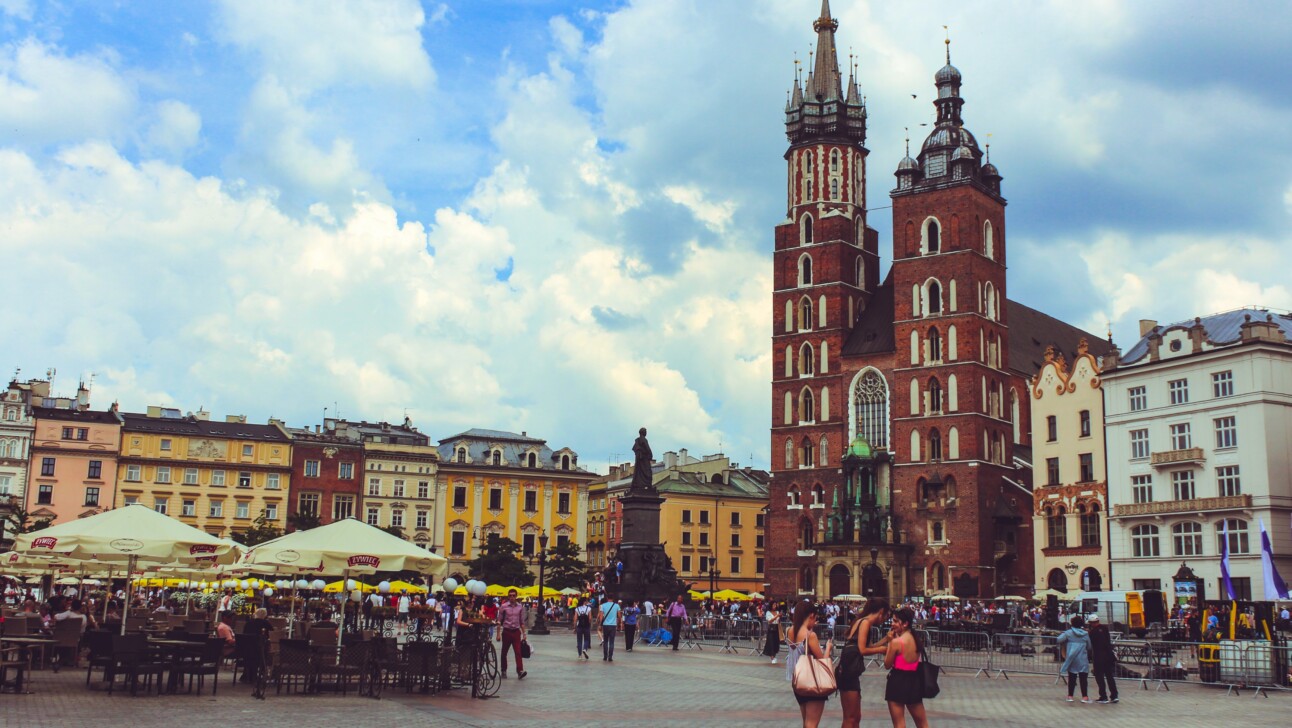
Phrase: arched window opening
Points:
(805, 314)
(460, 455)
(818, 495)
(870, 406)
(988, 244)
(1187, 538)
(796, 498)
(805, 270)
(935, 298)
(807, 160)
(809, 453)
(1057, 580)
(935, 445)
(805, 233)
(807, 406)
(932, 237)
(789, 462)
(915, 446)
(807, 361)
(1144, 543)
(861, 272)
(953, 444)
(533, 460)
(806, 534)
(935, 346)
(1237, 533)
(938, 576)
(834, 189)
(935, 397)
(1056, 527)
(565, 462)
(834, 160)
(824, 452)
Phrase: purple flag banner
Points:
(1275, 587)
(1224, 560)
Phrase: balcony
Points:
(1187, 456)
(1197, 505)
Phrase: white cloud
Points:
(715, 215)
(311, 45)
(176, 129)
(47, 97)
(20, 9)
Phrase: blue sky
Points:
(556, 216)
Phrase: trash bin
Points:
(1209, 663)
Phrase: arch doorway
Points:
(1057, 580)
(873, 583)
(1091, 580)
(840, 580)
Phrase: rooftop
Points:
(191, 426)
(1218, 330)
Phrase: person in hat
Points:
(1103, 659)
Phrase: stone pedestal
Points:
(648, 572)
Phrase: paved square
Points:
(649, 686)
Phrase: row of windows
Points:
(1184, 484)
(932, 239)
(1052, 426)
(705, 562)
(529, 460)
(807, 406)
(94, 468)
(1186, 538)
(1222, 385)
(166, 444)
(342, 505)
(76, 433)
(421, 518)
(398, 488)
(1056, 525)
(496, 503)
(1226, 431)
(162, 474)
(528, 543)
(215, 509)
(344, 470)
(1085, 465)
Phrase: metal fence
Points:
(1256, 665)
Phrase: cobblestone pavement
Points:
(649, 686)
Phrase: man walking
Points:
(676, 615)
(630, 625)
(511, 633)
(582, 628)
(611, 617)
(1105, 661)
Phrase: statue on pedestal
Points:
(643, 460)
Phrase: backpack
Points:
(583, 619)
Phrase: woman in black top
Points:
(852, 659)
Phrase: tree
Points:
(18, 521)
(303, 521)
(260, 532)
(565, 568)
(499, 563)
(395, 531)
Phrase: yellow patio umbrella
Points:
(697, 595)
(730, 595)
(460, 591)
(403, 586)
(530, 592)
(494, 590)
(338, 587)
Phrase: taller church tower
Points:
(826, 269)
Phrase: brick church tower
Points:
(955, 401)
(827, 265)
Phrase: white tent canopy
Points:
(129, 533)
(343, 548)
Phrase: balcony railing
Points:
(1225, 502)
(1189, 455)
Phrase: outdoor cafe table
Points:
(26, 643)
(177, 650)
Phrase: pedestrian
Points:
(802, 640)
(1075, 642)
(630, 625)
(583, 628)
(404, 604)
(852, 660)
(511, 633)
(1104, 660)
(676, 616)
(772, 642)
(904, 692)
(611, 618)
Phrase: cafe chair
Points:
(12, 659)
(207, 662)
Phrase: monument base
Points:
(648, 573)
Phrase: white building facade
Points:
(1199, 442)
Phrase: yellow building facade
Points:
(510, 484)
(216, 476)
(399, 489)
(595, 547)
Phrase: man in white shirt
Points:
(648, 608)
(73, 611)
(404, 603)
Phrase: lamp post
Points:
(540, 619)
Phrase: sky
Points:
(556, 216)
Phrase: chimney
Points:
(682, 456)
(316, 429)
(670, 459)
(1255, 329)
(1146, 325)
(82, 397)
(154, 411)
(202, 415)
(236, 419)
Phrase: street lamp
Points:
(540, 619)
(713, 576)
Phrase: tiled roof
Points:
(743, 483)
(873, 333)
(492, 435)
(107, 417)
(193, 427)
(1220, 329)
(1031, 331)
(479, 441)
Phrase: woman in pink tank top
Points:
(905, 690)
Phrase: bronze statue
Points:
(642, 472)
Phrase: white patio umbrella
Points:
(129, 534)
(343, 548)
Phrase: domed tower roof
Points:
(948, 74)
(963, 152)
(860, 449)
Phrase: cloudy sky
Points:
(556, 216)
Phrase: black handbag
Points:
(851, 662)
(928, 676)
(525, 651)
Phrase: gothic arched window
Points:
(870, 408)
(805, 233)
(805, 270)
(932, 236)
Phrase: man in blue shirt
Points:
(630, 624)
(611, 617)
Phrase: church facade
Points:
(900, 436)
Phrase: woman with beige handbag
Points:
(807, 666)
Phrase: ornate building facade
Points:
(1071, 487)
(897, 405)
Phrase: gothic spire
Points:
(826, 83)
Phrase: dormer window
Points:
(565, 462)
(496, 457)
(532, 460)
(460, 455)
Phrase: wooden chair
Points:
(67, 641)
